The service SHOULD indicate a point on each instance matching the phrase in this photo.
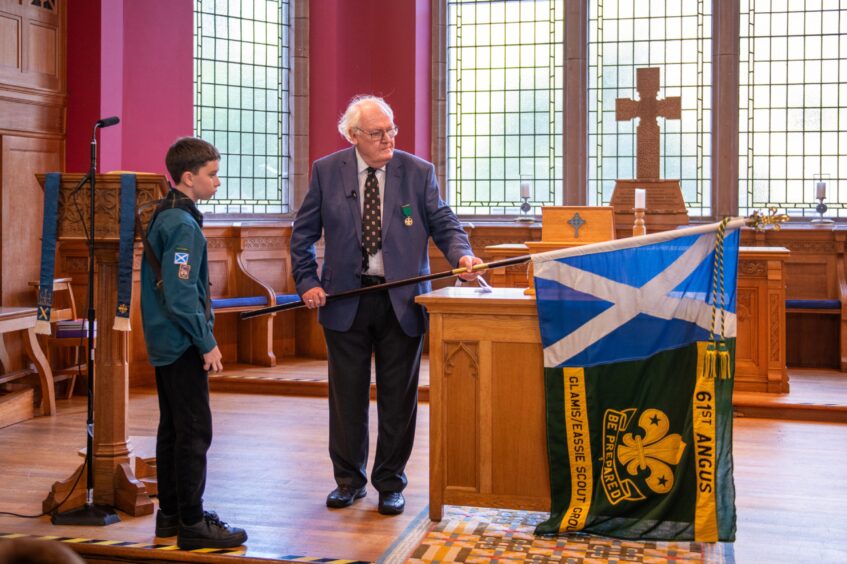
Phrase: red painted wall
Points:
(83, 82)
(158, 80)
(112, 36)
(134, 60)
(379, 47)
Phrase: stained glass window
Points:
(792, 89)
(675, 36)
(505, 64)
(242, 82)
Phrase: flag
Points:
(639, 350)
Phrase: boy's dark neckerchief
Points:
(176, 199)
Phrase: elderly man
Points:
(377, 208)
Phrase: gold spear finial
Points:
(760, 221)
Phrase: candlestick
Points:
(639, 228)
(820, 192)
(640, 198)
(821, 209)
(525, 208)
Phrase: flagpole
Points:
(392, 284)
(757, 221)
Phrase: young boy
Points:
(178, 322)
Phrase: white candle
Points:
(525, 189)
(821, 190)
(640, 198)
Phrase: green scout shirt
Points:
(174, 316)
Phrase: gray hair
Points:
(351, 116)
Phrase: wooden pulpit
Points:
(114, 481)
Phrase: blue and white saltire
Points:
(632, 298)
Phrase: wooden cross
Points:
(647, 108)
(576, 222)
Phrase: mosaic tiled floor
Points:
(469, 534)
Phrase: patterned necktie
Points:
(371, 221)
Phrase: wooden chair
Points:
(66, 352)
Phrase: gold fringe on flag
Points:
(707, 360)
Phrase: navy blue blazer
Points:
(332, 206)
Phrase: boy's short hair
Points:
(188, 154)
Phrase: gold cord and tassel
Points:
(716, 361)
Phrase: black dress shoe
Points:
(391, 503)
(166, 525)
(209, 532)
(344, 496)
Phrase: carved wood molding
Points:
(811, 247)
(74, 264)
(753, 268)
(774, 346)
(266, 243)
(220, 243)
(46, 4)
(454, 350)
(744, 305)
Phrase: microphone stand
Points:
(89, 514)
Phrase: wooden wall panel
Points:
(32, 129)
(43, 50)
(32, 45)
(10, 40)
(21, 201)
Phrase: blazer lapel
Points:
(391, 194)
(350, 184)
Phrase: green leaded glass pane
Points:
(792, 91)
(505, 64)
(675, 36)
(241, 85)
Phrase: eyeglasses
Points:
(376, 135)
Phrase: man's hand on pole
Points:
(314, 297)
(468, 261)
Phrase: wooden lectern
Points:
(561, 227)
(114, 481)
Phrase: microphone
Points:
(108, 122)
(353, 194)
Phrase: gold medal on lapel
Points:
(407, 213)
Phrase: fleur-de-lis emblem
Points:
(655, 451)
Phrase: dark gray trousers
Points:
(376, 332)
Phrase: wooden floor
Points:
(269, 472)
(816, 395)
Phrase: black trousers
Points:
(184, 436)
(376, 332)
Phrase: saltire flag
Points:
(639, 354)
